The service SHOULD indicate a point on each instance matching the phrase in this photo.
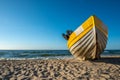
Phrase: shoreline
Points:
(56, 57)
(61, 69)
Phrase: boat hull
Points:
(89, 40)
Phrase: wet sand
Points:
(107, 68)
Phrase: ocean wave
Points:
(42, 58)
(44, 54)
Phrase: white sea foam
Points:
(43, 58)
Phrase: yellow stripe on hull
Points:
(85, 26)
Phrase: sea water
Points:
(44, 54)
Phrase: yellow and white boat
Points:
(89, 40)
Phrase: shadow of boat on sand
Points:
(111, 60)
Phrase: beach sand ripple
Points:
(63, 69)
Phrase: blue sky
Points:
(38, 24)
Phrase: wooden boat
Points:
(89, 40)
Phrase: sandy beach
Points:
(107, 68)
